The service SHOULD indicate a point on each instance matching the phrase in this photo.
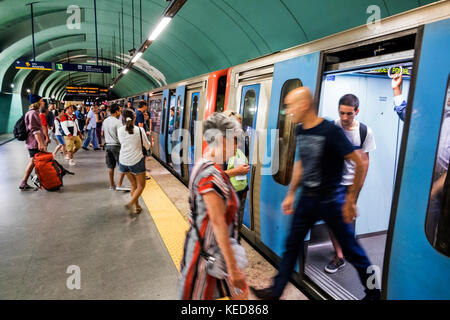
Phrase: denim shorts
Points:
(112, 156)
(135, 169)
(60, 139)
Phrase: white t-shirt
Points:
(353, 136)
(131, 147)
(110, 127)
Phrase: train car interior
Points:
(365, 71)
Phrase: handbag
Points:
(215, 261)
(144, 151)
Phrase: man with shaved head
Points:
(319, 161)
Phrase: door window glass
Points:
(155, 114)
(286, 140)
(164, 110)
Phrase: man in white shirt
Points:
(91, 125)
(110, 128)
(362, 139)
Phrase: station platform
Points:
(119, 256)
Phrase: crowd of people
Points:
(119, 132)
(331, 164)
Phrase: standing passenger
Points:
(131, 159)
(91, 124)
(35, 139)
(237, 168)
(72, 133)
(321, 150)
(110, 129)
(361, 137)
(98, 129)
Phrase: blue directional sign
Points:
(34, 65)
(82, 68)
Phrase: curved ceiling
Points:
(205, 35)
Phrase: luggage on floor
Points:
(49, 172)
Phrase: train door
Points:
(177, 137)
(164, 120)
(251, 100)
(417, 261)
(279, 159)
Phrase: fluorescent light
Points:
(12, 85)
(162, 24)
(28, 90)
(137, 56)
(125, 71)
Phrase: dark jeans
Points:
(311, 209)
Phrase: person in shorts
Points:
(35, 140)
(112, 146)
(72, 133)
(131, 158)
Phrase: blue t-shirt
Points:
(139, 118)
(322, 150)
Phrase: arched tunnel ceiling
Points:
(205, 35)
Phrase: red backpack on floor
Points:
(49, 172)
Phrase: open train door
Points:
(417, 259)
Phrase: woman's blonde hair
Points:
(34, 106)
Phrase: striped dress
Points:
(195, 283)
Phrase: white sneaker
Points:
(71, 162)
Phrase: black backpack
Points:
(362, 133)
(20, 130)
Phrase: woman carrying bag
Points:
(134, 145)
(213, 260)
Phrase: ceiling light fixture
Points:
(159, 28)
(136, 57)
(125, 71)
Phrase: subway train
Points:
(403, 225)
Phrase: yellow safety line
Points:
(170, 223)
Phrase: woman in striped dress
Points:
(214, 205)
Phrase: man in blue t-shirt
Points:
(140, 119)
(319, 161)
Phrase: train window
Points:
(437, 224)
(155, 114)
(163, 117)
(221, 89)
(286, 139)
(194, 108)
(179, 113)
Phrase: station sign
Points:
(86, 91)
(34, 65)
(82, 68)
